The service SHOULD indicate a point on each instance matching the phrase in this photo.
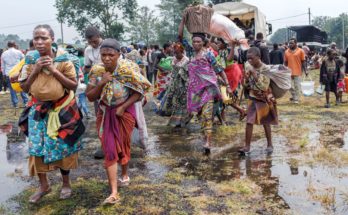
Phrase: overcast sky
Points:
(16, 15)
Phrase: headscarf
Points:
(111, 43)
(179, 47)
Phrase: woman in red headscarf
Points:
(174, 103)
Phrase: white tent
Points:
(243, 11)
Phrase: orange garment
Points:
(295, 59)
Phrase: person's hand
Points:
(48, 63)
(106, 78)
(233, 43)
(41, 63)
(229, 90)
(120, 111)
(253, 73)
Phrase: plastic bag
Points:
(14, 75)
(221, 26)
(320, 89)
(166, 63)
(307, 87)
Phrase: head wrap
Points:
(179, 47)
(200, 35)
(111, 43)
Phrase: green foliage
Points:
(333, 27)
(141, 28)
(104, 14)
(170, 13)
(280, 36)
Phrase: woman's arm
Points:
(230, 56)
(131, 100)
(224, 78)
(93, 92)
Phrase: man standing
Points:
(259, 43)
(294, 59)
(276, 55)
(9, 59)
(92, 57)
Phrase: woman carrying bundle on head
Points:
(203, 89)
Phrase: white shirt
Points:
(92, 56)
(9, 59)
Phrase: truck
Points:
(248, 17)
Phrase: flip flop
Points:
(35, 198)
(65, 193)
(244, 152)
(111, 200)
(269, 150)
(123, 182)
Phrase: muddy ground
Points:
(306, 174)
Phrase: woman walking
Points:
(174, 102)
(51, 120)
(203, 88)
(117, 84)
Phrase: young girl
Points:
(341, 87)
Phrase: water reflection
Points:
(13, 159)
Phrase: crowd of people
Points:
(198, 80)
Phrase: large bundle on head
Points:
(223, 27)
(197, 18)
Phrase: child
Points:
(341, 85)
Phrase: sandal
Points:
(244, 152)
(35, 198)
(123, 182)
(111, 200)
(269, 150)
(65, 193)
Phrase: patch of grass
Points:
(303, 142)
(200, 203)
(174, 177)
(87, 195)
(245, 187)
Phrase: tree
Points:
(333, 26)
(170, 12)
(280, 36)
(102, 13)
(142, 27)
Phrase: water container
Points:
(307, 87)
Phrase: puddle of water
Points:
(345, 141)
(13, 164)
